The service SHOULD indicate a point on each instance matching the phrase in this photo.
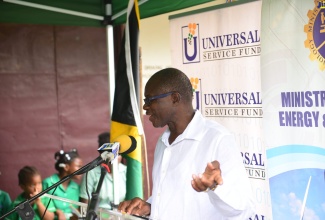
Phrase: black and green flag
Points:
(126, 118)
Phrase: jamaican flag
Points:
(126, 118)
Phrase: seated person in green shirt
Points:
(66, 164)
(5, 202)
(30, 182)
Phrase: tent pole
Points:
(111, 84)
(110, 65)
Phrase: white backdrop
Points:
(219, 49)
(293, 85)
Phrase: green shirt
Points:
(5, 202)
(72, 193)
(37, 216)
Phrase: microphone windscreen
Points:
(127, 143)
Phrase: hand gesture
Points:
(209, 180)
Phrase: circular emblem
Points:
(315, 30)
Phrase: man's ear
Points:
(176, 97)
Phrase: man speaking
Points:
(198, 172)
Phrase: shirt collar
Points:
(193, 131)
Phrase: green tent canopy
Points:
(14, 13)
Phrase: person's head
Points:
(103, 138)
(67, 162)
(169, 94)
(30, 180)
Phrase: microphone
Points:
(123, 144)
(127, 143)
(109, 151)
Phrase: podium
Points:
(116, 215)
(102, 214)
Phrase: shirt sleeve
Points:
(88, 182)
(46, 201)
(5, 203)
(234, 197)
(46, 183)
(122, 182)
(149, 200)
(14, 215)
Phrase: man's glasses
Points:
(148, 101)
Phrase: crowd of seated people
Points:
(55, 205)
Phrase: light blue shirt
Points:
(106, 194)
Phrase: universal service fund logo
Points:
(315, 30)
(196, 87)
(191, 43)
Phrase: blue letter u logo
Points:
(197, 100)
(190, 58)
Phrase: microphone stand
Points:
(24, 208)
(93, 206)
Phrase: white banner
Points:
(219, 48)
(293, 82)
